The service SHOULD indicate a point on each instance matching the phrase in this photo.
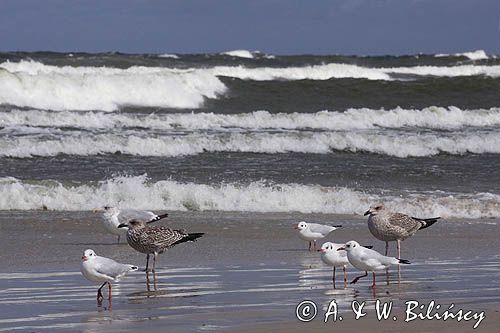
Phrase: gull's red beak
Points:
(296, 227)
(84, 258)
(321, 250)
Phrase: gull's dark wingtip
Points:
(157, 218)
(425, 223)
(190, 238)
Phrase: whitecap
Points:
(240, 54)
(141, 193)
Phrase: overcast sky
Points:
(273, 26)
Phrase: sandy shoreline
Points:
(248, 274)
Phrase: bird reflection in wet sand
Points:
(148, 281)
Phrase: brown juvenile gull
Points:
(154, 240)
(389, 226)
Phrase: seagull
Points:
(368, 260)
(113, 217)
(154, 240)
(332, 257)
(313, 231)
(100, 269)
(388, 226)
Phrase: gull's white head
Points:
(349, 246)
(375, 209)
(88, 255)
(327, 247)
(301, 226)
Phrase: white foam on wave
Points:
(473, 55)
(240, 54)
(339, 71)
(315, 72)
(32, 84)
(140, 193)
(168, 55)
(391, 143)
(452, 71)
(432, 117)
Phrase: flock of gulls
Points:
(383, 224)
(150, 240)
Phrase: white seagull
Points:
(368, 260)
(113, 217)
(332, 257)
(313, 231)
(103, 270)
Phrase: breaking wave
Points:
(473, 55)
(140, 193)
(168, 55)
(339, 71)
(431, 117)
(33, 84)
(240, 54)
(135, 143)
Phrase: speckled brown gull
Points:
(154, 240)
(389, 226)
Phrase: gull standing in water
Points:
(155, 240)
(103, 270)
(113, 217)
(368, 260)
(311, 232)
(332, 257)
(388, 226)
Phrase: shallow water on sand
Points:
(210, 297)
(229, 277)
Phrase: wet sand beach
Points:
(247, 274)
